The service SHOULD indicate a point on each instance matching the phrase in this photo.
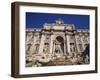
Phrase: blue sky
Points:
(36, 20)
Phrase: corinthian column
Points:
(67, 44)
(51, 44)
(41, 44)
(65, 47)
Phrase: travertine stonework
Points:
(56, 42)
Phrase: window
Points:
(79, 39)
(36, 48)
(71, 38)
(28, 47)
(80, 47)
(85, 39)
(72, 47)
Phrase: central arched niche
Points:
(60, 43)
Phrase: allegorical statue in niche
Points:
(46, 48)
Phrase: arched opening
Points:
(59, 38)
(59, 45)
